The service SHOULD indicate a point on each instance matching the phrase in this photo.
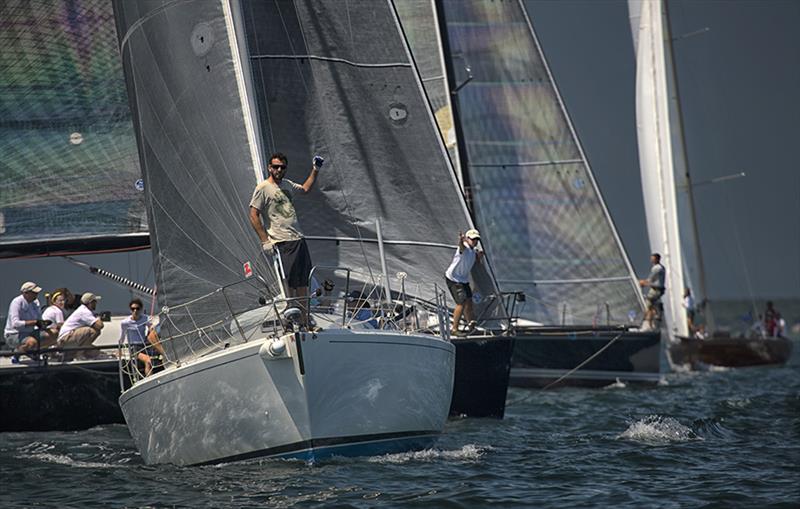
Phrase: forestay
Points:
(544, 223)
(71, 179)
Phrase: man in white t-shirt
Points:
(81, 328)
(457, 277)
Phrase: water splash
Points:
(469, 452)
(63, 459)
(619, 384)
(657, 430)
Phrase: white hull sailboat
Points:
(669, 203)
(217, 86)
(336, 392)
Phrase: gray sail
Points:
(337, 79)
(421, 28)
(71, 177)
(196, 147)
(545, 226)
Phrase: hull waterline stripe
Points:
(308, 445)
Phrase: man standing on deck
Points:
(457, 277)
(655, 283)
(274, 220)
(25, 330)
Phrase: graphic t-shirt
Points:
(277, 211)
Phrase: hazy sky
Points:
(739, 82)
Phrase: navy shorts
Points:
(296, 261)
(460, 291)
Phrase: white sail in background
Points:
(661, 154)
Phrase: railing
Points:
(239, 312)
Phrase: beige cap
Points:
(89, 297)
(30, 286)
(472, 234)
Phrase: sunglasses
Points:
(278, 166)
(135, 308)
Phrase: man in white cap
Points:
(457, 277)
(81, 328)
(25, 330)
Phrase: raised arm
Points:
(316, 164)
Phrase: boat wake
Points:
(658, 430)
(469, 452)
(93, 456)
(63, 459)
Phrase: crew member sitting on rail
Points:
(135, 329)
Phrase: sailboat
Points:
(70, 172)
(215, 86)
(669, 202)
(546, 229)
(483, 360)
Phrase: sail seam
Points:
(527, 163)
(375, 241)
(328, 59)
(567, 281)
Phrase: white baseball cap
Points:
(472, 234)
(30, 286)
(89, 297)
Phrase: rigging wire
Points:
(582, 364)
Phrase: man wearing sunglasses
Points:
(274, 220)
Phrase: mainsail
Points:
(544, 224)
(71, 179)
(337, 78)
(325, 77)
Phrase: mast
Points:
(701, 273)
(461, 148)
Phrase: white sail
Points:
(661, 154)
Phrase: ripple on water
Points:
(658, 430)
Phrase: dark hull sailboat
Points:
(41, 396)
(729, 352)
(531, 190)
(483, 366)
(68, 124)
(550, 357)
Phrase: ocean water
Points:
(721, 438)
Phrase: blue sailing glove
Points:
(318, 161)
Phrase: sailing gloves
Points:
(318, 161)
